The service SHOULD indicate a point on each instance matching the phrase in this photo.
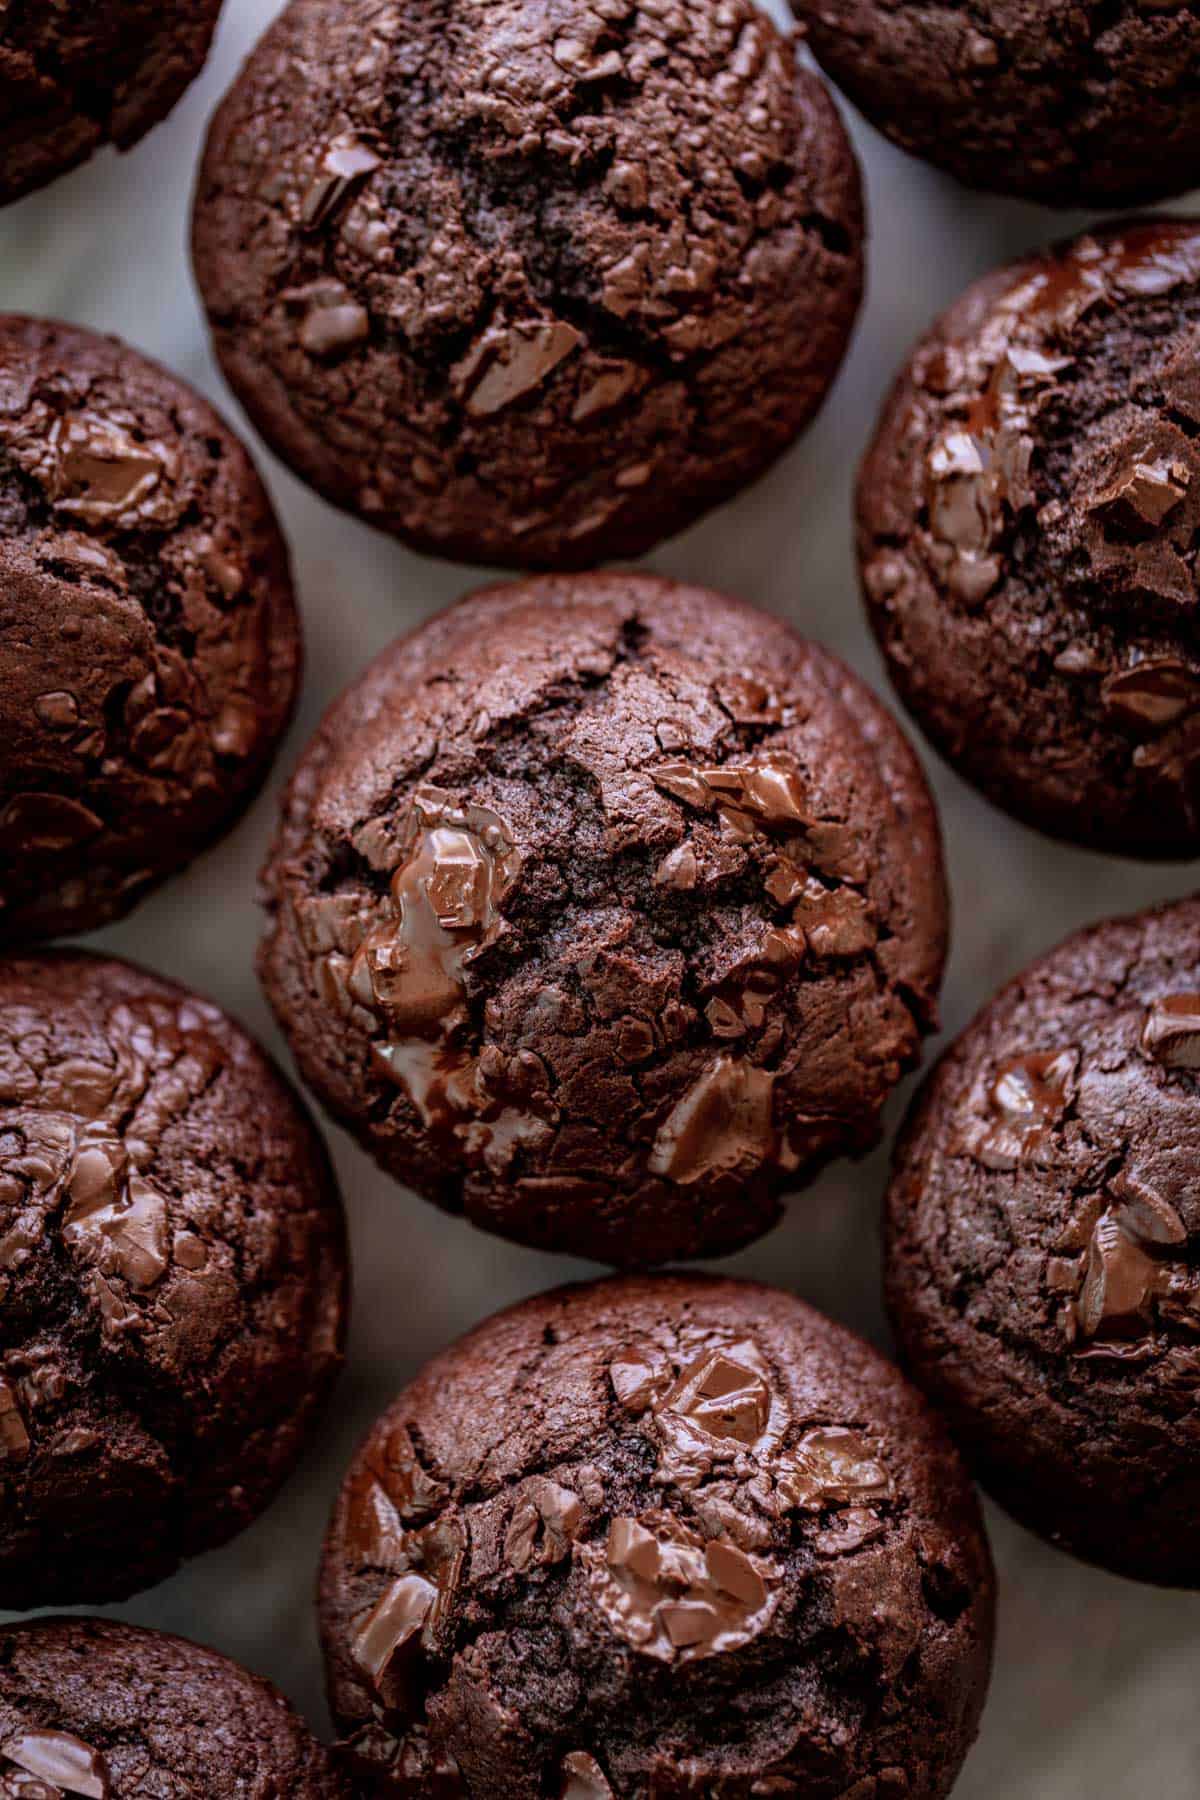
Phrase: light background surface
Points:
(1095, 1685)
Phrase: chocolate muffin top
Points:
(172, 1278)
(528, 281)
(1043, 1224)
(1091, 104)
(657, 1537)
(76, 74)
(604, 910)
(149, 644)
(1028, 518)
(107, 1711)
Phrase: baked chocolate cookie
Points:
(1028, 517)
(77, 74)
(149, 643)
(529, 282)
(1091, 104)
(1043, 1222)
(657, 1536)
(172, 1278)
(604, 910)
(90, 1707)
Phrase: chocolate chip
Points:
(343, 170)
(1171, 1033)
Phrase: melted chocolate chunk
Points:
(63, 1763)
(1171, 1033)
(674, 1596)
(1027, 1098)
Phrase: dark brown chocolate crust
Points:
(1087, 104)
(657, 1536)
(604, 910)
(1043, 1220)
(1028, 516)
(107, 1711)
(149, 643)
(172, 1278)
(526, 282)
(77, 74)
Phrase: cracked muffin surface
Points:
(1091, 104)
(149, 641)
(604, 910)
(94, 1708)
(530, 282)
(173, 1276)
(657, 1536)
(1042, 1272)
(78, 74)
(1028, 517)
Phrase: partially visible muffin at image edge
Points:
(1028, 516)
(78, 74)
(1088, 104)
(525, 282)
(1043, 1224)
(606, 910)
(94, 1708)
(149, 642)
(657, 1537)
(172, 1276)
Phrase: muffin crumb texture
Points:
(104, 1711)
(1090, 104)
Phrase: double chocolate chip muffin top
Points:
(149, 644)
(1043, 1229)
(172, 1279)
(605, 910)
(76, 74)
(1028, 520)
(92, 1708)
(1087, 104)
(529, 282)
(657, 1537)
